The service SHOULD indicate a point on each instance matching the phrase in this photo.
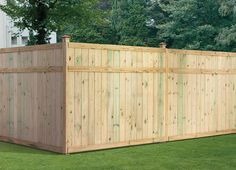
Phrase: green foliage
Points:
(188, 24)
(45, 16)
(227, 36)
(227, 7)
(129, 20)
(92, 33)
(95, 30)
(196, 24)
(117, 22)
(33, 15)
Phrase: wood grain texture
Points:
(148, 94)
(31, 107)
(75, 97)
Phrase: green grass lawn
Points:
(206, 153)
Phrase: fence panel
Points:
(31, 109)
(75, 97)
(133, 95)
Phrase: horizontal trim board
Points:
(115, 70)
(151, 70)
(33, 145)
(31, 48)
(32, 69)
(202, 71)
(151, 49)
(75, 149)
(200, 135)
(115, 47)
(202, 53)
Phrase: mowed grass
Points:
(207, 153)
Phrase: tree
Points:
(118, 22)
(98, 30)
(193, 24)
(42, 17)
(227, 36)
(129, 20)
(156, 16)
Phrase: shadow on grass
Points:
(13, 148)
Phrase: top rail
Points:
(150, 49)
(31, 48)
(207, 53)
(114, 47)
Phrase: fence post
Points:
(163, 45)
(65, 51)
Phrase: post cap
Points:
(163, 45)
(65, 38)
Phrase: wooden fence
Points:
(75, 97)
(31, 101)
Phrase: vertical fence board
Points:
(78, 101)
(145, 97)
(122, 98)
(85, 98)
(98, 98)
(139, 96)
(104, 103)
(128, 97)
(91, 100)
(116, 100)
(110, 96)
